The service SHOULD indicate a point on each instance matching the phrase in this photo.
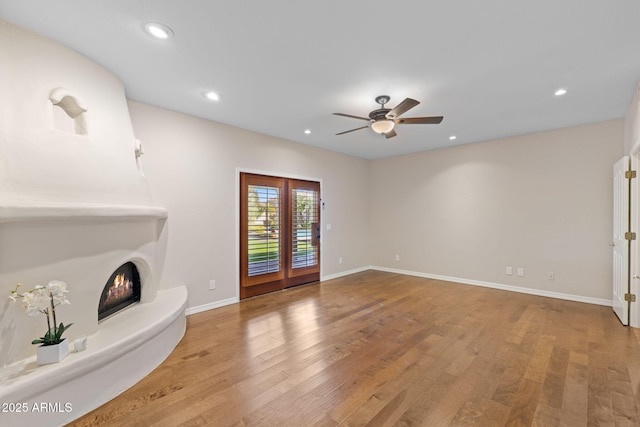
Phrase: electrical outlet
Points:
(551, 275)
(212, 284)
(340, 260)
(520, 272)
(508, 271)
(397, 257)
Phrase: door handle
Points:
(316, 239)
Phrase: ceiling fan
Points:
(383, 120)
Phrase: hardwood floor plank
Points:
(546, 416)
(480, 412)
(514, 369)
(554, 382)
(574, 404)
(524, 406)
(378, 349)
(538, 366)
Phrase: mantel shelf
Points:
(44, 212)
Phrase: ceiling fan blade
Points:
(352, 130)
(390, 134)
(420, 120)
(353, 117)
(403, 107)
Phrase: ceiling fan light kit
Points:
(383, 120)
(382, 126)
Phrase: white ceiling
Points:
(489, 67)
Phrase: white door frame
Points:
(634, 312)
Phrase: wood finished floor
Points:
(380, 349)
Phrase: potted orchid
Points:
(45, 299)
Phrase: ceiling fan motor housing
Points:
(379, 114)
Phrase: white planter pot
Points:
(53, 353)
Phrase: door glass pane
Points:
(264, 230)
(304, 207)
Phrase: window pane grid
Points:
(263, 230)
(304, 215)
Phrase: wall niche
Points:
(69, 115)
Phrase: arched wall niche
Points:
(69, 112)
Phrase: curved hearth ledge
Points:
(125, 349)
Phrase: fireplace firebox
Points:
(121, 290)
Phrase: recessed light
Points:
(159, 31)
(560, 92)
(307, 131)
(211, 96)
(452, 137)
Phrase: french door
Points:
(279, 233)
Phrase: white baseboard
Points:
(345, 273)
(210, 306)
(530, 291)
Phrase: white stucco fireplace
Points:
(74, 206)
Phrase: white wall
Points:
(542, 202)
(632, 122)
(191, 165)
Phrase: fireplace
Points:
(64, 112)
(121, 290)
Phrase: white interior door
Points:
(620, 244)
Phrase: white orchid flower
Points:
(36, 301)
(44, 299)
(27, 297)
(57, 287)
(29, 300)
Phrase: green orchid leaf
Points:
(50, 333)
(61, 329)
(59, 332)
